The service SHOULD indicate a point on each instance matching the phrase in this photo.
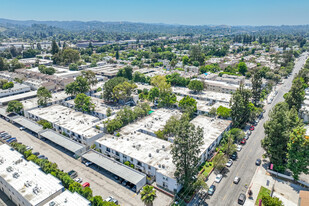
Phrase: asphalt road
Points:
(244, 167)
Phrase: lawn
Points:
(207, 166)
(263, 192)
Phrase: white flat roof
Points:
(68, 118)
(145, 148)
(206, 95)
(212, 128)
(68, 198)
(100, 106)
(18, 97)
(152, 123)
(16, 87)
(29, 176)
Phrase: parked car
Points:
(116, 177)
(258, 162)
(239, 147)
(36, 153)
(243, 141)
(242, 199)
(79, 180)
(234, 156)
(218, 178)
(86, 184)
(72, 174)
(22, 128)
(236, 180)
(41, 156)
(251, 128)
(211, 190)
(229, 163)
(111, 199)
(247, 136)
(124, 183)
(88, 163)
(13, 139)
(29, 148)
(134, 188)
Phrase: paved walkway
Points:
(284, 190)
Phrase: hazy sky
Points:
(193, 12)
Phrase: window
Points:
(149, 167)
(139, 163)
(108, 149)
(131, 159)
(117, 153)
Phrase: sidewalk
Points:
(284, 190)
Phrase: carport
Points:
(28, 124)
(64, 142)
(127, 173)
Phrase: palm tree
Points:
(148, 194)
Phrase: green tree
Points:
(153, 94)
(196, 86)
(90, 77)
(271, 201)
(84, 103)
(7, 85)
(196, 54)
(296, 95)
(229, 147)
(80, 85)
(242, 68)
(15, 64)
(240, 108)
(277, 129)
(45, 124)
(212, 112)
(185, 60)
(43, 96)
(125, 72)
(148, 195)
(219, 161)
(47, 70)
(123, 91)
(223, 112)
(256, 87)
(73, 67)
(186, 151)
(108, 112)
(54, 47)
(14, 106)
(188, 104)
(117, 54)
(298, 152)
(109, 86)
(87, 193)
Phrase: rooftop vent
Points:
(163, 146)
(149, 154)
(163, 166)
(157, 150)
(9, 169)
(16, 175)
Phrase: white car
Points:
(22, 128)
(218, 178)
(239, 147)
(79, 180)
(29, 148)
(229, 163)
(88, 163)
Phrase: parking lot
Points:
(101, 182)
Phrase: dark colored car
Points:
(211, 190)
(242, 199)
(36, 153)
(258, 162)
(234, 156)
(72, 174)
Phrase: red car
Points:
(243, 141)
(86, 184)
(251, 128)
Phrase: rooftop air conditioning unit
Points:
(149, 154)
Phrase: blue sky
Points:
(191, 12)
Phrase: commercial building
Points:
(76, 125)
(24, 182)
